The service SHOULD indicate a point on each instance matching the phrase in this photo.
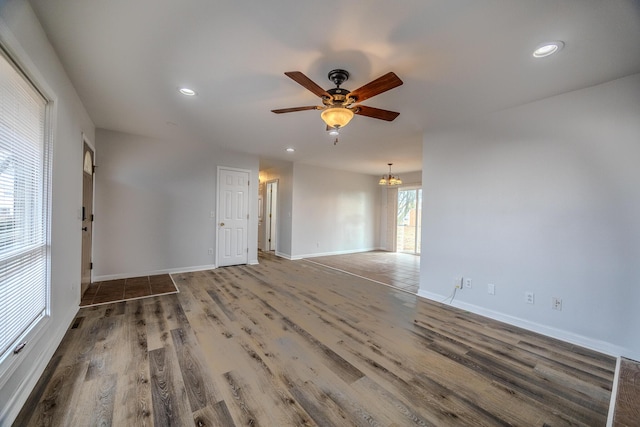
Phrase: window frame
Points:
(10, 361)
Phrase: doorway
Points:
(271, 215)
(409, 220)
(233, 217)
(87, 216)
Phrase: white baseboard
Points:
(283, 255)
(570, 337)
(351, 251)
(153, 273)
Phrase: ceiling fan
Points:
(340, 104)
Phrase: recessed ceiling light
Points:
(547, 49)
(187, 92)
(290, 150)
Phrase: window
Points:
(24, 207)
(409, 218)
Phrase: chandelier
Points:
(390, 180)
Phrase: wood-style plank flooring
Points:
(627, 408)
(292, 343)
(397, 269)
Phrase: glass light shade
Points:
(337, 117)
(390, 180)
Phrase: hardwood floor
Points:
(627, 412)
(291, 343)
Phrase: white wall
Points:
(544, 198)
(153, 204)
(22, 35)
(333, 211)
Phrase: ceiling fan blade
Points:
(307, 83)
(376, 113)
(291, 110)
(376, 87)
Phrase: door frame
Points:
(418, 235)
(218, 216)
(91, 146)
(271, 215)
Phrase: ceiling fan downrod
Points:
(338, 76)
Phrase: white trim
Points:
(358, 276)
(248, 172)
(285, 256)
(177, 291)
(18, 56)
(614, 393)
(155, 272)
(20, 396)
(274, 219)
(90, 143)
(130, 299)
(86, 140)
(350, 251)
(570, 337)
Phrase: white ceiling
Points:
(457, 58)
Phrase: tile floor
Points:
(396, 269)
(123, 289)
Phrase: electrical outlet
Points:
(467, 283)
(556, 303)
(457, 282)
(491, 289)
(210, 251)
(529, 297)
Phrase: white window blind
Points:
(24, 211)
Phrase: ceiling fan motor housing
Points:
(338, 96)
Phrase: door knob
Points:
(84, 228)
(222, 224)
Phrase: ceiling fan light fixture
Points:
(336, 117)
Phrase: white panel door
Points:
(233, 221)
